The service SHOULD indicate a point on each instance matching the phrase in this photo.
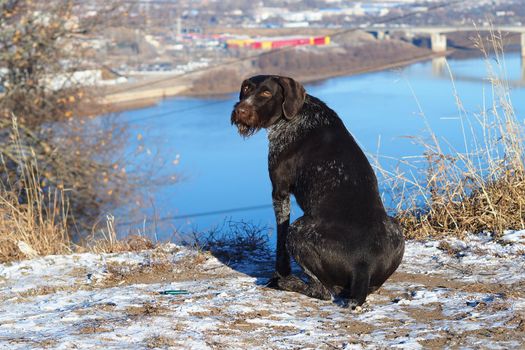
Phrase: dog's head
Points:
(264, 99)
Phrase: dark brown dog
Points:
(345, 242)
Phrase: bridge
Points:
(438, 38)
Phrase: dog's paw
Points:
(273, 282)
(343, 302)
(349, 304)
(276, 281)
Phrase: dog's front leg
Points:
(281, 206)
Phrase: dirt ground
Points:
(471, 296)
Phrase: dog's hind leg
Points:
(300, 248)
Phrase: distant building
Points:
(88, 77)
(264, 13)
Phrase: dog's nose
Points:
(242, 112)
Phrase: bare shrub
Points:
(33, 47)
(35, 217)
(232, 240)
(77, 155)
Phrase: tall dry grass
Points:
(478, 189)
(35, 218)
(32, 220)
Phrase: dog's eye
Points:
(266, 93)
(245, 88)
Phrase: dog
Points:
(345, 242)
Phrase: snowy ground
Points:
(446, 294)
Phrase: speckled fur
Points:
(284, 132)
(345, 241)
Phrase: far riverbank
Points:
(135, 98)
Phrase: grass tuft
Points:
(106, 240)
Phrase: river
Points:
(221, 176)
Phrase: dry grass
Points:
(32, 221)
(146, 309)
(478, 189)
(34, 217)
(106, 240)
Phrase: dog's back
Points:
(333, 178)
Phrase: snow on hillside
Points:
(446, 293)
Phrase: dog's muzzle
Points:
(246, 119)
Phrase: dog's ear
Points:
(294, 96)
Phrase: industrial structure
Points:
(275, 43)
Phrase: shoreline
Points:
(125, 101)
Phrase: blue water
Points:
(218, 170)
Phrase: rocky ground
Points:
(447, 293)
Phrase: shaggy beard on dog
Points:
(243, 129)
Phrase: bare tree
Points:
(41, 55)
(33, 55)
